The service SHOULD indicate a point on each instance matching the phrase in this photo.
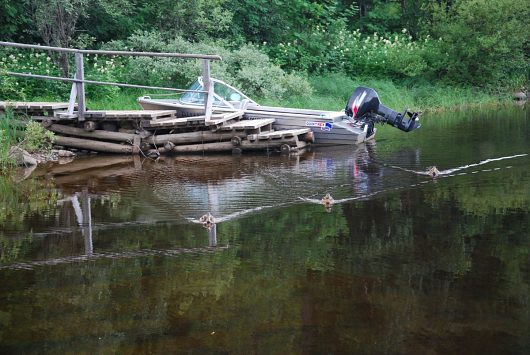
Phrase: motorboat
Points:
(353, 125)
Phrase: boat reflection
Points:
(179, 189)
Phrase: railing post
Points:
(80, 86)
(73, 97)
(208, 87)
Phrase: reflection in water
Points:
(212, 236)
(81, 205)
(100, 255)
(84, 219)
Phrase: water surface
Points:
(106, 254)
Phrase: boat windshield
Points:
(224, 94)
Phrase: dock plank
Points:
(170, 122)
(287, 133)
(248, 124)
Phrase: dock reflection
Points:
(182, 188)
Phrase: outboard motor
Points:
(364, 105)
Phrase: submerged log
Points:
(97, 134)
(193, 137)
(292, 142)
(92, 163)
(97, 146)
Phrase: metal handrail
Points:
(104, 52)
(78, 83)
(94, 82)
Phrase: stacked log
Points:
(158, 132)
(148, 143)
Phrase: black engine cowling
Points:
(364, 105)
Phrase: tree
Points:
(486, 41)
(56, 23)
(13, 23)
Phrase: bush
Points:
(486, 41)
(38, 139)
(334, 49)
(246, 68)
(5, 161)
(8, 137)
(24, 61)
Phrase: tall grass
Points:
(8, 137)
(331, 92)
(125, 99)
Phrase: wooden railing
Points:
(77, 93)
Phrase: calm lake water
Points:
(106, 255)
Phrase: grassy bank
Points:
(333, 91)
(8, 137)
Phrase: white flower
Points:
(404, 30)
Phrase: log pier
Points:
(156, 132)
(152, 132)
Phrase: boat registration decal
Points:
(325, 126)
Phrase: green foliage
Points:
(479, 42)
(195, 20)
(37, 139)
(12, 19)
(485, 41)
(5, 161)
(24, 61)
(331, 92)
(8, 137)
(282, 20)
(384, 17)
(247, 67)
(12, 248)
(9, 86)
(335, 49)
(18, 201)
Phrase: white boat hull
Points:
(329, 128)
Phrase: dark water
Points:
(105, 255)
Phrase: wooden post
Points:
(208, 87)
(80, 86)
(73, 96)
(86, 228)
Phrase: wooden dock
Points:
(148, 132)
(156, 132)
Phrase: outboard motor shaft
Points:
(364, 105)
